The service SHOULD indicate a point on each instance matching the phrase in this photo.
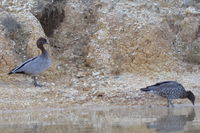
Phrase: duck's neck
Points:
(41, 47)
(185, 95)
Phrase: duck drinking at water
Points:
(170, 90)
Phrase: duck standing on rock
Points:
(170, 90)
(35, 65)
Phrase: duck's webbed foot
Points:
(37, 85)
(35, 82)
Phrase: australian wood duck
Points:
(170, 90)
(35, 65)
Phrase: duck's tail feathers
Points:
(13, 72)
(10, 73)
(145, 89)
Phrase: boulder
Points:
(106, 35)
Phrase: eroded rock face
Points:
(108, 36)
(128, 40)
(71, 38)
(6, 54)
(126, 36)
(50, 14)
(152, 40)
(189, 28)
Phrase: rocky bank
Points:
(103, 51)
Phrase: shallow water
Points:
(115, 119)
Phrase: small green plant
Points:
(11, 26)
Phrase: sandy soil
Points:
(96, 89)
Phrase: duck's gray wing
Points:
(19, 69)
(171, 90)
(159, 85)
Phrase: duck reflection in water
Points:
(171, 122)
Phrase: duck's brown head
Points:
(40, 42)
(191, 96)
